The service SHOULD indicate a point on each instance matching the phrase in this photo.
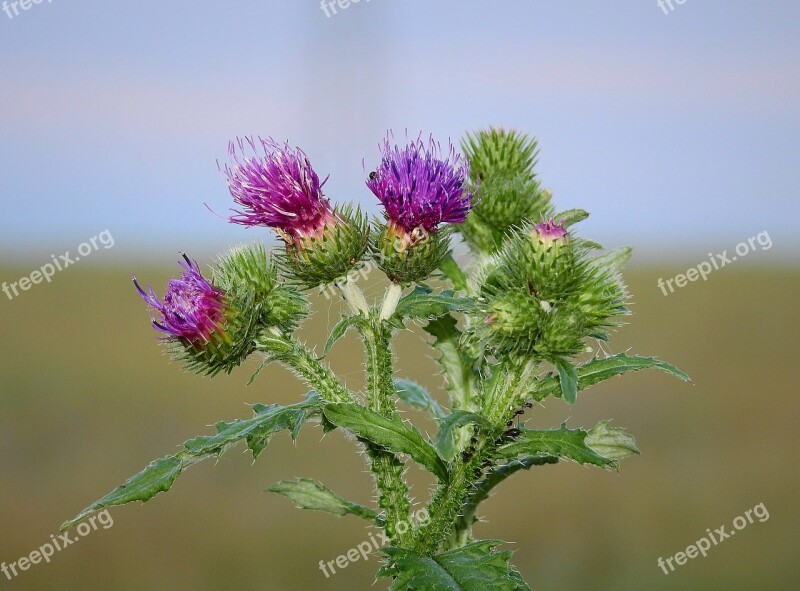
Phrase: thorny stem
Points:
(450, 499)
(392, 489)
(319, 377)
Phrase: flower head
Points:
(276, 186)
(192, 309)
(549, 232)
(420, 187)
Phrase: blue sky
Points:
(680, 132)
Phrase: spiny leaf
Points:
(474, 567)
(314, 496)
(614, 260)
(603, 368)
(448, 428)
(455, 364)
(422, 304)
(267, 360)
(562, 443)
(391, 434)
(567, 379)
(451, 269)
(257, 430)
(484, 487)
(415, 395)
(161, 474)
(571, 217)
(338, 332)
(155, 478)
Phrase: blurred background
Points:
(676, 125)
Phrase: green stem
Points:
(319, 377)
(446, 506)
(451, 499)
(392, 489)
(377, 339)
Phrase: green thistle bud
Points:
(329, 255)
(502, 174)
(250, 279)
(542, 295)
(408, 257)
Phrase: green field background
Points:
(87, 398)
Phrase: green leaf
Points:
(422, 304)
(257, 430)
(563, 443)
(451, 269)
(602, 368)
(267, 360)
(613, 260)
(611, 442)
(314, 496)
(448, 429)
(568, 380)
(590, 244)
(161, 474)
(415, 395)
(338, 332)
(571, 217)
(155, 478)
(390, 434)
(484, 487)
(454, 362)
(474, 567)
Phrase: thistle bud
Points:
(211, 325)
(276, 187)
(542, 295)
(420, 189)
(502, 172)
(550, 234)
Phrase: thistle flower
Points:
(276, 187)
(420, 189)
(192, 310)
(211, 326)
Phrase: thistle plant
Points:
(522, 323)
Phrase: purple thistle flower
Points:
(192, 309)
(419, 187)
(549, 232)
(278, 189)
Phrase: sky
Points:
(679, 130)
